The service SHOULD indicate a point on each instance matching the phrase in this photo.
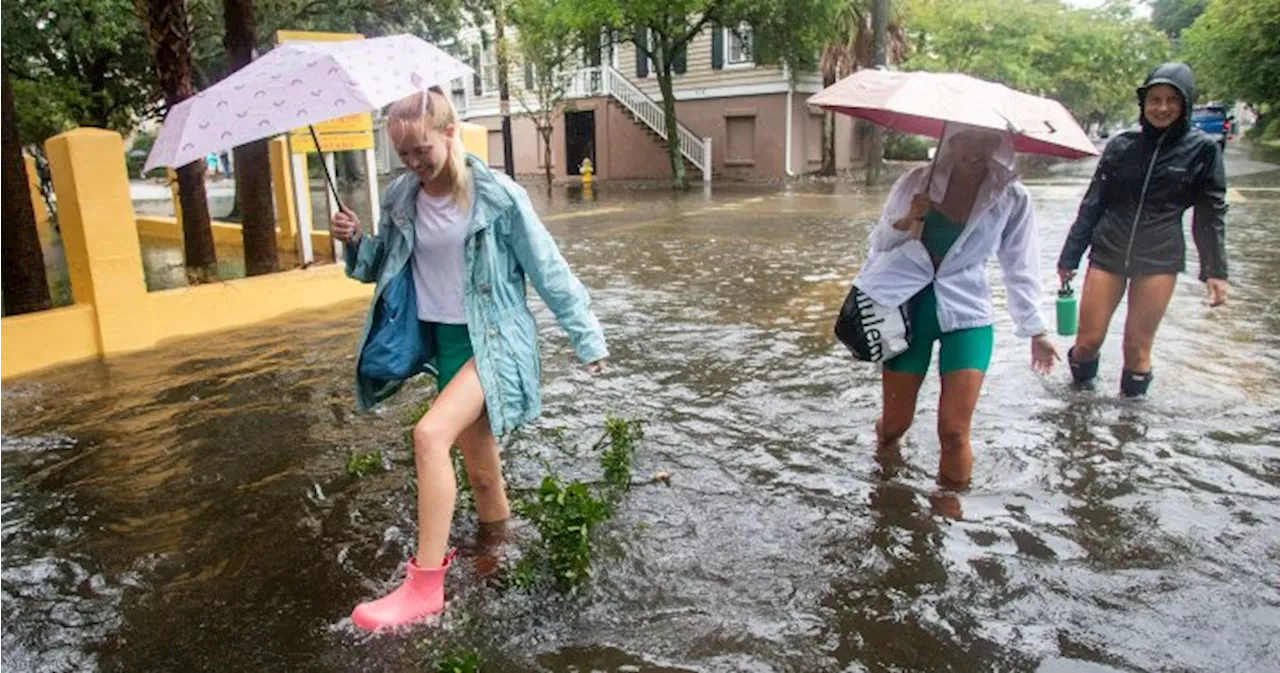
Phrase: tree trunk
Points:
(829, 143)
(253, 163)
(875, 153)
(504, 91)
(25, 287)
(546, 132)
(170, 38)
(678, 179)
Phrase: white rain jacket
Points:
(1002, 223)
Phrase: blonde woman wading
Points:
(467, 238)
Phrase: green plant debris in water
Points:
(566, 514)
(360, 464)
(459, 662)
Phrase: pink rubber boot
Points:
(420, 596)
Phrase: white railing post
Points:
(706, 161)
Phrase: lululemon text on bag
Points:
(873, 332)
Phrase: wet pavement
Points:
(188, 509)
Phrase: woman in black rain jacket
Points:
(1131, 222)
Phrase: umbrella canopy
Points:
(296, 85)
(924, 102)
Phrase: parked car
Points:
(1212, 119)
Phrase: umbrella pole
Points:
(328, 179)
(934, 162)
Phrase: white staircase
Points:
(607, 81)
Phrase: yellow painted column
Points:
(282, 188)
(475, 139)
(99, 233)
(37, 202)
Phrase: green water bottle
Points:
(1066, 310)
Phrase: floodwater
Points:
(188, 509)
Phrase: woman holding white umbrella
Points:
(940, 226)
(450, 258)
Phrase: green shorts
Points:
(962, 349)
(453, 349)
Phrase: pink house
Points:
(739, 120)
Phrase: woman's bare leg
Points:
(1148, 300)
(960, 390)
(484, 471)
(1098, 301)
(900, 390)
(457, 407)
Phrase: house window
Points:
(813, 138)
(458, 91)
(495, 149)
(740, 135)
(738, 45)
(489, 67)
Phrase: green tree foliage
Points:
(87, 62)
(77, 63)
(1235, 49)
(1175, 16)
(547, 44)
(783, 31)
(1089, 59)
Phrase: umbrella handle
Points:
(328, 179)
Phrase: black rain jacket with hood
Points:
(1145, 181)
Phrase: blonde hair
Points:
(432, 110)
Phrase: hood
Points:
(1178, 76)
(1001, 165)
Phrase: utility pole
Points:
(504, 93)
(875, 150)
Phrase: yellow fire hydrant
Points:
(586, 169)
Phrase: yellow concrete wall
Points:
(95, 214)
(202, 309)
(114, 314)
(58, 336)
(225, 234)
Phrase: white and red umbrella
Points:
(923, 103)
(297, 85)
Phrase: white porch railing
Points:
(606, 81)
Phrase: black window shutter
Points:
(717, 47)
(642, 61)
(477, 84)
(529, 84)
(762, 48)
(681, 62)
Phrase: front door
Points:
(579, 140)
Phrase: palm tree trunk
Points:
(25, 287)
(828, 134)
(170, 38)
(253, 163)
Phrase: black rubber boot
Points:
(1134, 384)
(1082, 372)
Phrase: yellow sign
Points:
(343, 134)
(330, 142)
(357, 123)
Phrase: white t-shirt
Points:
(439, 264)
